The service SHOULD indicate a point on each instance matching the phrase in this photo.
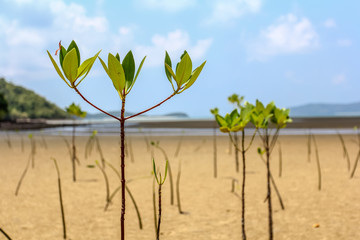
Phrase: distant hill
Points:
(24, 103)
(326, 110)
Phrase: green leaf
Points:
(137, 73)
(93, 59)
(118, 57)
(71, 46)
(171, 72)
(104, 66)
(84, 66)
(168, 62)
(57, 68)
(183, 72)
(128, 65)
(224, 129)
(154, 170)
(62, 54)
(221, 121)
(195, 75)
(70, 65)
(116, 73)
(166, 170)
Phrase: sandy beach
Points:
(212, 211)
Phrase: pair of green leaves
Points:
(75, 110)
(122, 74)
(235, 121)
(159, 179)
(70, 64)
(184, 76)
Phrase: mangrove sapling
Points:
(154, 205)
(123, 77)
(262, 116)
(75, 111)
(156, 145)
(235, 122)
(5, 234)
(60, 198)
(214, 112)
(128, 191)
(23, 175)
(261, 153)
(160, 181)
(317, 162)
(345, 151)
(21, 140)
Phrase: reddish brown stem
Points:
(110, 115)
(122, 140)
(151, 107)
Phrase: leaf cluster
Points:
(75, 110)
(70, 64)
(183, 76)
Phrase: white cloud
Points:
(344, 42)
(166, 5)
(287, 36)
(339, 79)
(175, 43)
(227, 10)
(330, 23)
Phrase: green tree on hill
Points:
(23, 103)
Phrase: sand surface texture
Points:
(212, 211)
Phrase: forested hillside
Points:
(24, 103)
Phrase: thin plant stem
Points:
(345, 152)
(170, 174)
(178, 189)
(122, 168)
(98, 147)
(317, 163)
(73, 157)
(267, 149)
(236, 152)
(128, 191)
(309, 146)
(110, 115)
(280, 160)
(22, 144)
(215, 153)
(154, 206)
(60, 199)
(23, 176)
(243, 184)
(152, 106)
(159, 217)
(107, 196)
(355, 165)
(178, 147)
(8, 141)
(132, 159)
(5, 234)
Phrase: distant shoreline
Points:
(298, 122)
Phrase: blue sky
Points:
(292, 52)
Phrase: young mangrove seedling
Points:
(33, 149)
(318, 166)
(75, 111)
(23, 175)
(179, 144)
(235, 122)
(214, 112)
(262, 118)
(60, 198)
(309, 146)
(345, 151)
(107, 196)
(160, 181)
(8, 140)
(123, 77)
(178, 189)
(280, 160)
(156, 145)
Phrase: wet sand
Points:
(212, 211)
